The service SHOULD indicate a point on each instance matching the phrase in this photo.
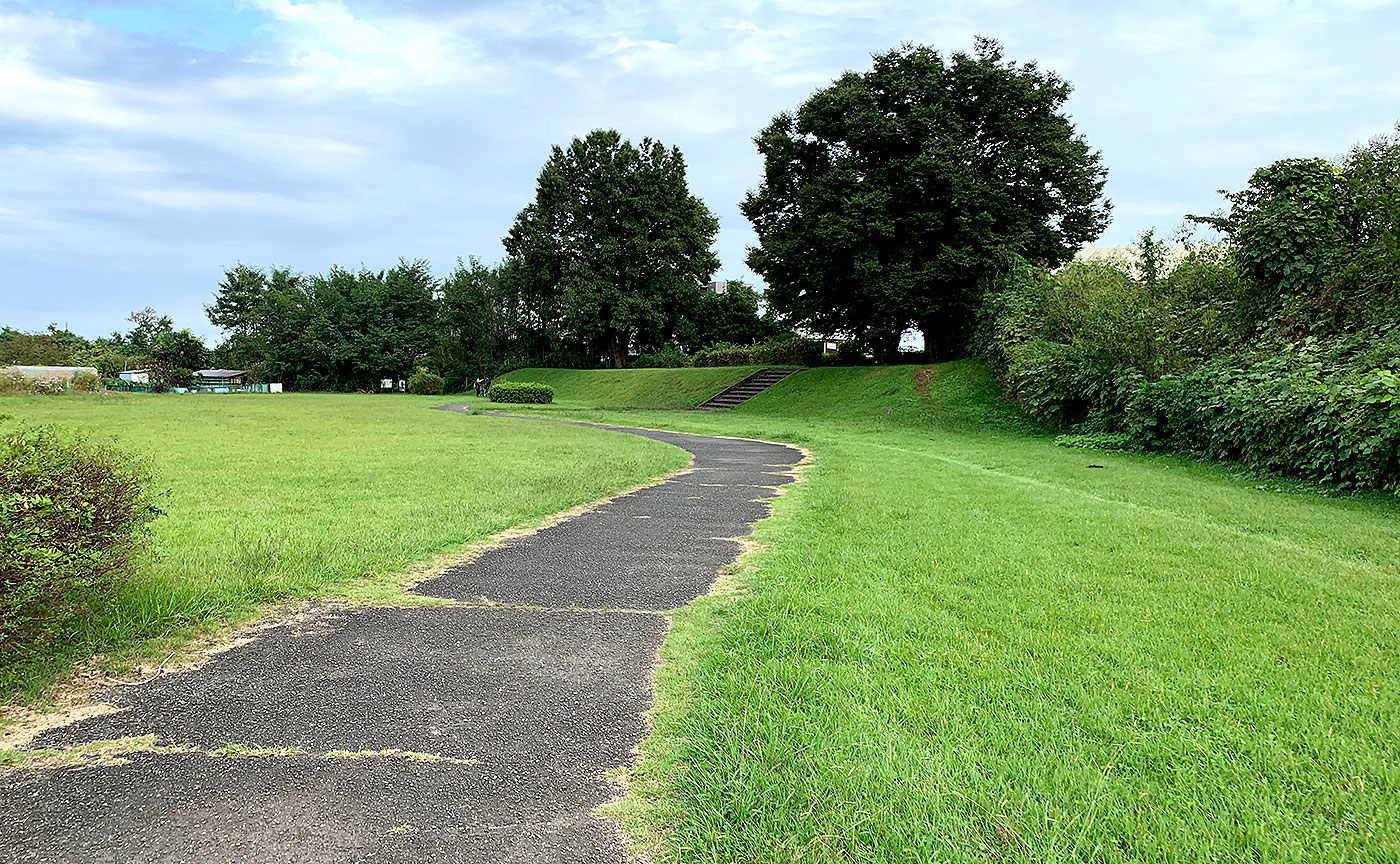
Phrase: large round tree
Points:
(616, 237)
(891, 196)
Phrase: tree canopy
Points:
(891, 196)
(615, 239)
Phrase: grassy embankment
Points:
(633, 388)
(311, 495)
(963, 643)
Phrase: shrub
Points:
(522, 392)
(85, 382)
(725, 354)
(1305, 412)
(791, 351)
(49, 386)
(669, 357)
(72, 512)
(14, 383)
(424, 383)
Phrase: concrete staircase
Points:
(750, 387)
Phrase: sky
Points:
(146, 147)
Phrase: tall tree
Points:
(147, 325)
(615, 235)
(891, 196)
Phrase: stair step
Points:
(748, 388)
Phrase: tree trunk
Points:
(932, 340)
(619, 349)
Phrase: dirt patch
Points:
(922, 377)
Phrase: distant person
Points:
(476, 385)
(486, 386)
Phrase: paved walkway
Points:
(456, 733)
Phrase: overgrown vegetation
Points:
(1278, 347)
(71, 518)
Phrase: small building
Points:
(221, 377)
(136, 376)
(51, 372)
(63, 372)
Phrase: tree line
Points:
(889, 200)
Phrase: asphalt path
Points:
(475, 732)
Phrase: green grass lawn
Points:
(304, 495)
(963, 643)
(633, 388)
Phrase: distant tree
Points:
(474, 313)
(177, 354)
(890, 197)
(53, 347)
(239, 309)
(237, 306)
(147, 325)
(347, 329)
(732, 315)
(616, 237)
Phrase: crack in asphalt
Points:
(526, 691)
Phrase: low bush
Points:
(72, 512)
(424, 383)
(522, 392)
(791, 351)
(669, 357)
(85, 382)
(725, 354)
(14, 383)
(1305, 412)
(778, 351)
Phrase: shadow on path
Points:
(473, 732)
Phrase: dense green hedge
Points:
(1293, 413)
(71, 512)
(522, 392)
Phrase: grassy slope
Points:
(299, 495)
(964, 643)
(633, 388)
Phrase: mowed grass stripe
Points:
(295, 495)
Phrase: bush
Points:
(791, 351)
(14, 383)
(1304, 412)
(725, 354)
(669, 357)
(85, 382)
(424, 383)
(522, 392)
(73, 512)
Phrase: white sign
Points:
(274, 388)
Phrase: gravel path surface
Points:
(477, 732)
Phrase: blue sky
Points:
(145, 147)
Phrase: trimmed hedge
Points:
(522, 392)
(72, 512)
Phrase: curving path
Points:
(473, 732)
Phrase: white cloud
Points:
(345, 134)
